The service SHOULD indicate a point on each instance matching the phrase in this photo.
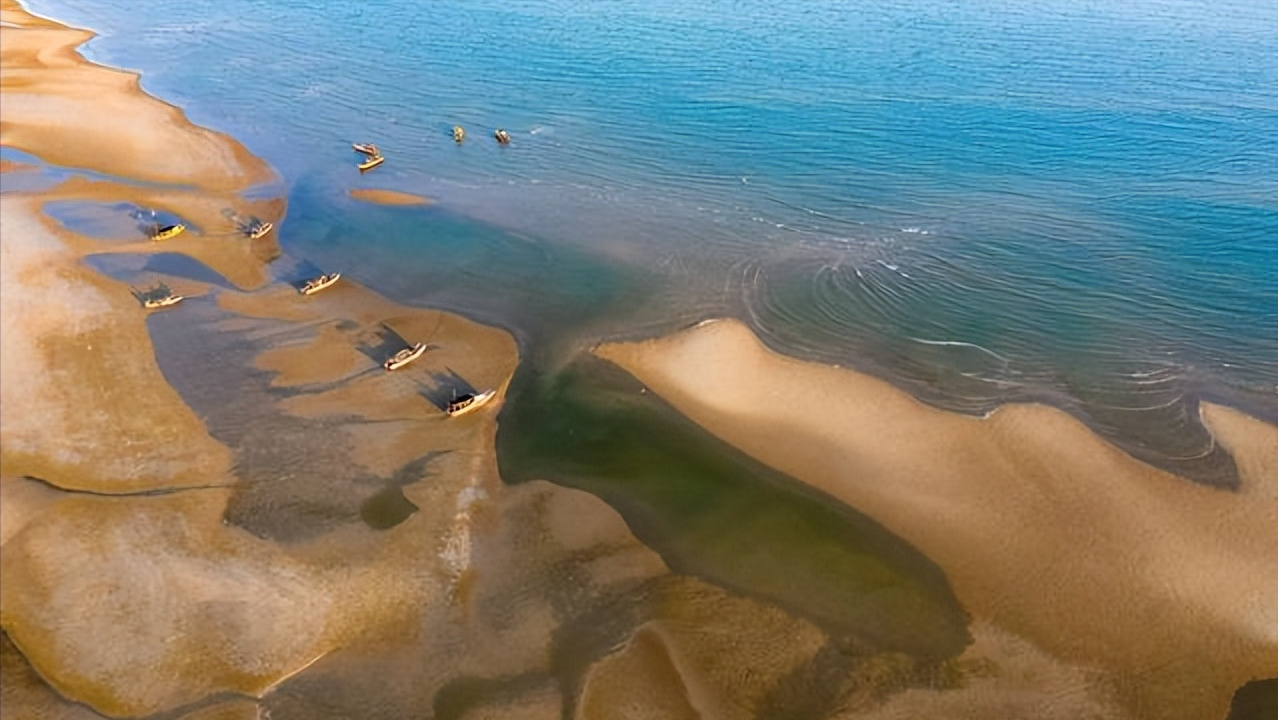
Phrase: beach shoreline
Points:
(115, 494)
(230, 507)
(1023, 499)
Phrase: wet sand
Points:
(1044, 529)
(388, 197)
(182, 490)
(214, 563)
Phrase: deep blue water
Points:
(1064, 200)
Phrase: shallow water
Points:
(1061, 201)
(1067, 202)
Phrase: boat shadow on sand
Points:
(388, 342)
(447, 385)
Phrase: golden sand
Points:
(138, 604)
(388, 197)
(79, 407)
(56, 105)
(1042, 527)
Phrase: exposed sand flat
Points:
(70, 112)
(140, 606)
(1040, 525)
(82, 403)
(214, 239)
(388, 197)
(485, 601)
(1005, 678)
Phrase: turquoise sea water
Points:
(1067, 201)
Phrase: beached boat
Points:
(470, 401)
(371, 163)
(405, 356)
(165, 301)
(459, 133)
(366, 148)
(166, 232)
(260, 229)
(314, 285)
(158, 298)
(502, 136)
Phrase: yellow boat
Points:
(459, 133)
(165, 233)
(371, 163)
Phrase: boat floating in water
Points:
(367, 149)
(459, 133)
(314, 285)
(371, 163)
(502, 136)
(167, 232)
(405, 356)
(259, 229)
(470, 401)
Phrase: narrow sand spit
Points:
(1041, 526)
(57, 105)
(483, 601)
(388, 197)
(134, 603)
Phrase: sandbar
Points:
(1042, 527)
(388, 197)
(145, 567)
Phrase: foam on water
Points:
(1077, 189)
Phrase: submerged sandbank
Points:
(483, 600)
(191, 601)
(388, 197)
(1041, 526)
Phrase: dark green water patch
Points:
(387, 508)
(1257, 700)
(717, 514)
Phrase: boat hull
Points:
(313, 287)
(400, 360)
(479, 401)
(168, 233)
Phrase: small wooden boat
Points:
(259, 230)
(366, 148)
(314, 285)
(459, 133)
(371, 163)
(167, 300)
(405, 356)
(502, 136)
(470, 401)
(166, 232)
